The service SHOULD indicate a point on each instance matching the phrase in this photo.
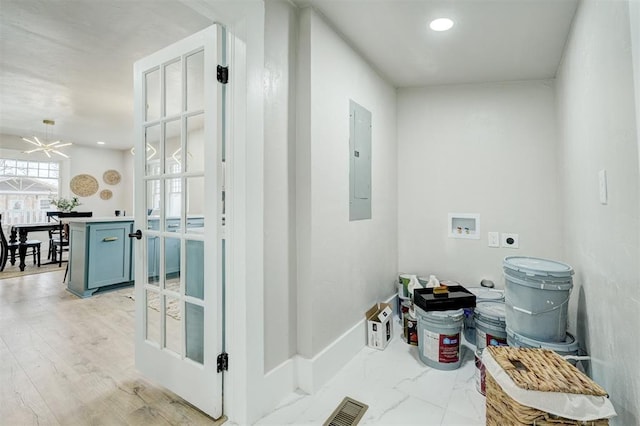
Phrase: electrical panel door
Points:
(360, 162)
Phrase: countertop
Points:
(119, 218)
(101, 219)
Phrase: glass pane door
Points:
(178, 208)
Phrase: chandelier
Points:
(151, 151)
(47, 147)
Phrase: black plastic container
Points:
(457, 298)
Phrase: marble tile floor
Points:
(70, 361)
(397, 386)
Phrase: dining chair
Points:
(54, 234)
(61, 244)
(7, 247)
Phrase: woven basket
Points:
(540, 370)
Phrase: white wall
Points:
(634, 25)
(303, 184)
(597, 117)
(279, 184)
(347, 266)
(94, 162)
(485, 148)
(128, 186)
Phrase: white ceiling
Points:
(492, 40)
(72, 60)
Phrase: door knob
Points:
(137, 235)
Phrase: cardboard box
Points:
(379, 325)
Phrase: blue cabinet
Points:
(172, 246)
(100, 256)
(101, 253)
(172, 256)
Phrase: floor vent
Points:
(348, 413)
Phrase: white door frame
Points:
(244, 382)
(245, 395)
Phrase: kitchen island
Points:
(101, 254)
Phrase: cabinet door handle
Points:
(107, 239)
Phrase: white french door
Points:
(179, 106)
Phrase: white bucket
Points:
(570, 346)
(482, 294)
(439, 335)
(537, 297)
(490, 324)
(485, 293)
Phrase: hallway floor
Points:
(70, 361)
(65, 360)
(397, 386)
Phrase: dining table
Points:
(20, 232)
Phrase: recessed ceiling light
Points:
(100, 143)
(441, 24)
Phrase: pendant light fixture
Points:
(47, 146)
(151, 151)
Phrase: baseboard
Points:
(309, 375)
(312, 373)
(279, 383)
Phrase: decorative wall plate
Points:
(111, 177)
(84, 185)
(105, 194)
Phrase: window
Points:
(37, 169)
(26, 189)
(173, 189)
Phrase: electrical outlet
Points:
(510, 241)
(494, 239)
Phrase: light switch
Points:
(494, 239)
(602, 183)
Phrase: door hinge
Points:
(223, 362)
(223, 74)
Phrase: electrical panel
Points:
(359, 162)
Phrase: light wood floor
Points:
(70, 361)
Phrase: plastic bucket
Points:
(490, 324)
(482, 294)
(439, 335)
(570, 346)
(485, 293)
(537, 297)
